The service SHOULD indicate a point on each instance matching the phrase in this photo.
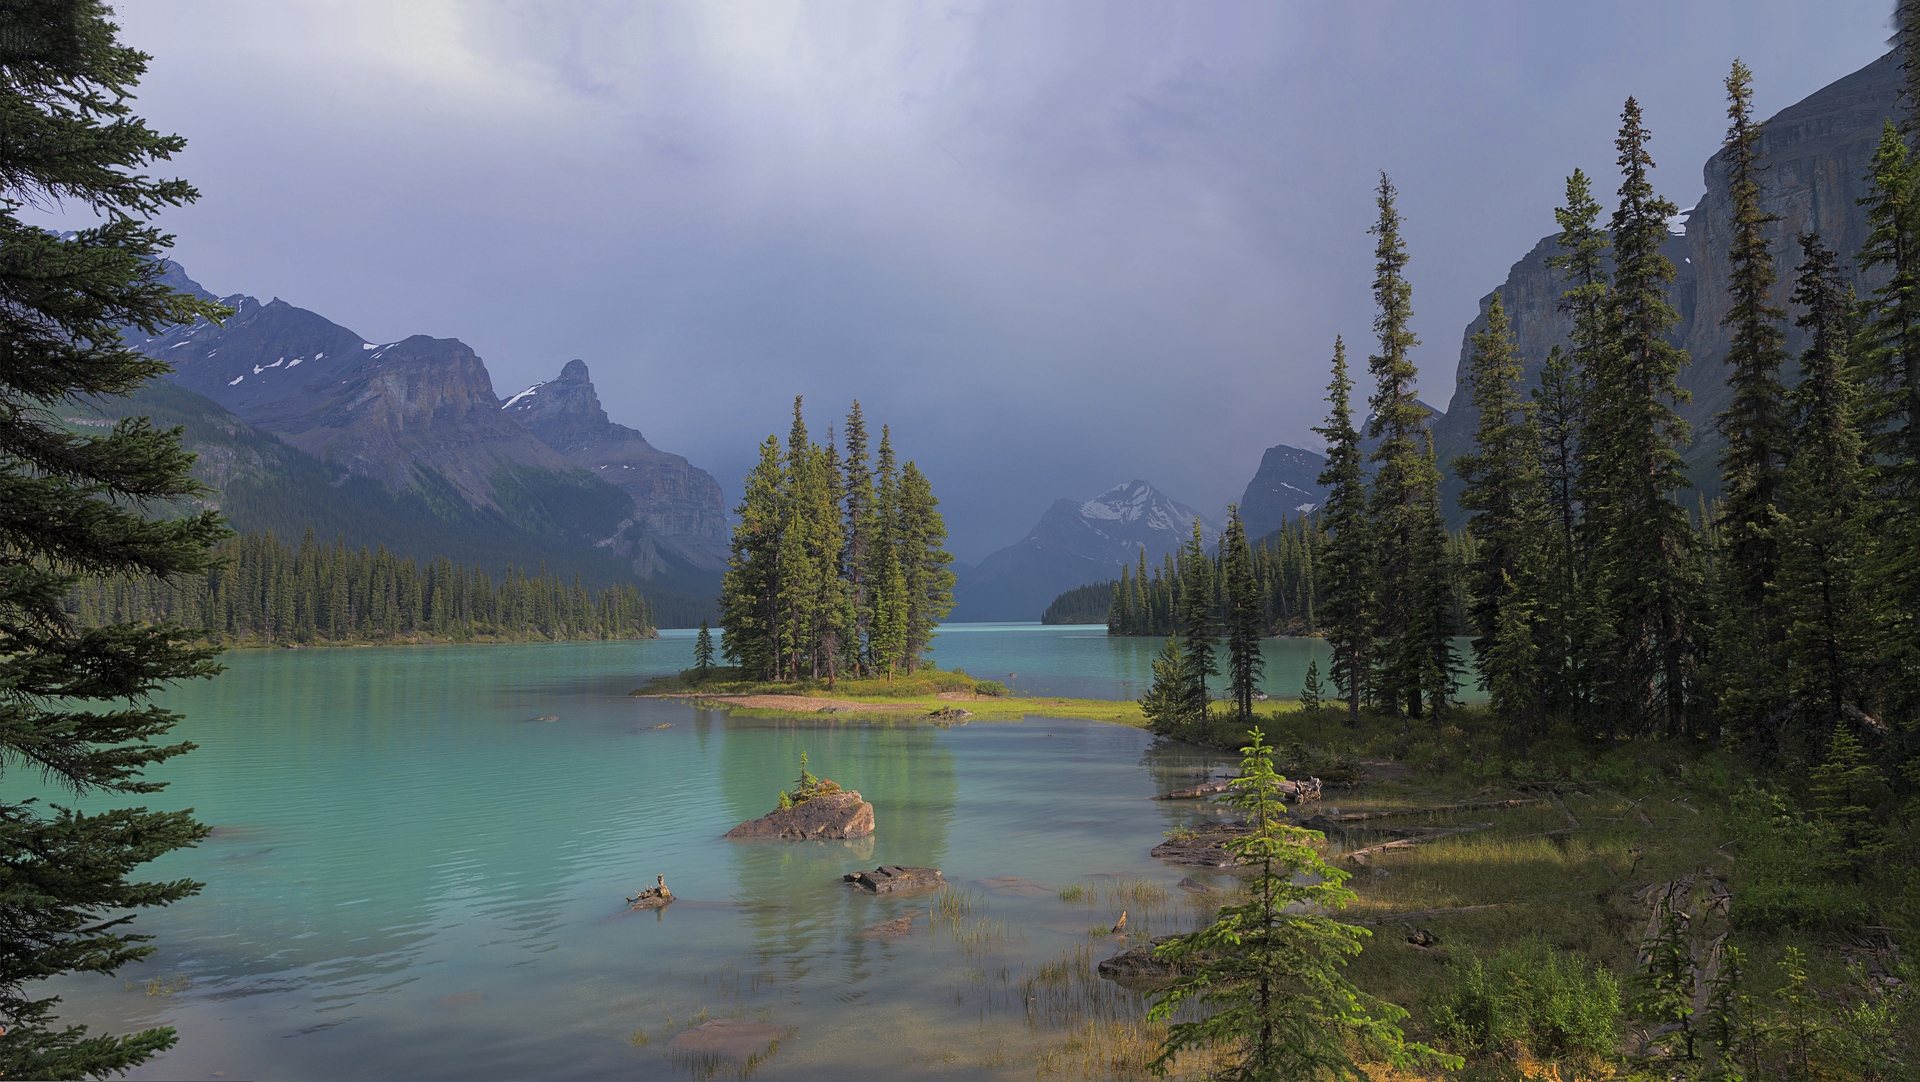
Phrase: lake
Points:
(412, 876)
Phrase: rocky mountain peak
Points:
(1286, 486)
(565, 413)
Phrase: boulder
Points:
(828, 816)
(895, 879)
(1138, 968)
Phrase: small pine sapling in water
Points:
(1267, 971)
(1663, 986)
(1311, 692)
(807, 787)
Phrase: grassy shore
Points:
(916, 694)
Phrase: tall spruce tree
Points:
(1345, 569)
(1557, 414)
(1754, 425)
(860, 524)
(921, 537)
(1430, 637)
(1889, 410)
(1503, 497)
(1398, 521)
(1828, 626)
(75, 715)
(1245, 615)
(1198, 634)
(1643, 565)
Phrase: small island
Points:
(814, 809)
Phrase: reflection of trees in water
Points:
(798, 912)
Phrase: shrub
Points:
(1779, 886)
(992, 688)
(1530, 997)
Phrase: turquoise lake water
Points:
(410, 876)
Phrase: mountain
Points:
(1286, 486)
(680, 514)
(414, 429)
(1816, 154)
(1072, 545)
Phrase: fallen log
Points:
(1355, 817)
(1361, 856)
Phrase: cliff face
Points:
(1816, 154)
(1286, 486)
(679, 511)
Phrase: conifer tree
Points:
(1557, 415)
(1844, 790)
(1346, 568)
(75, 712)
(861, 522)
(1428, 640)
(1503, 496)
(1196, 621)
(1245, 616)
(1663, 985)
(1311, 691)
(1889, 410)
(1822, 519)
(1398, 522)
(1268, 969)
(920, 537)
(1643, 567)
(703, 651)
(1755, 427)
(1168, 703)
(1118, 622)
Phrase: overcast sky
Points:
(1056, 245)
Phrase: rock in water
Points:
(1205, 846)
(655, 897)
(828, 816)
(895, 879)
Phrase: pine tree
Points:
(703, 651)
(1843, 790)
(1428, 640)
(1398, 522)
(1168, 703)
(1345, 570)
(1643, 567)
(1823, 542)
(1267, 970)
(1245, 616)
(750, 589)
(1311, 691)
(1754, 425)
(1196, 621)
(75, 712)
(924, 561)
(1503, 495)
(1889, 411)
(861, 523)
(1557, 414)
(1663, 985)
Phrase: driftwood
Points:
(1355, 817)
(654, 897)
(1301, 791)
(1362, 856)
(1564, 810)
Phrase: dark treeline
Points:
(1146, 599)
(838, 565)
(265, 592)
(1081, 605)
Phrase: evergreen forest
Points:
(838, 565)
(263, 592)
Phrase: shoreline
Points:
(909, 707)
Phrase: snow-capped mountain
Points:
(1074, 544)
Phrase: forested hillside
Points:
(266, 593)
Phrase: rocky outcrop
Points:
(679, 512)
(1816, 153)
(1138, 968)
(1286, 486)
(895, 879)
(1205, 846)
(1074, 544)
(825, 817)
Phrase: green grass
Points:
(919, 693)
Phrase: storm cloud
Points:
(1055, 245)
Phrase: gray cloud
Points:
(1054, 245)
